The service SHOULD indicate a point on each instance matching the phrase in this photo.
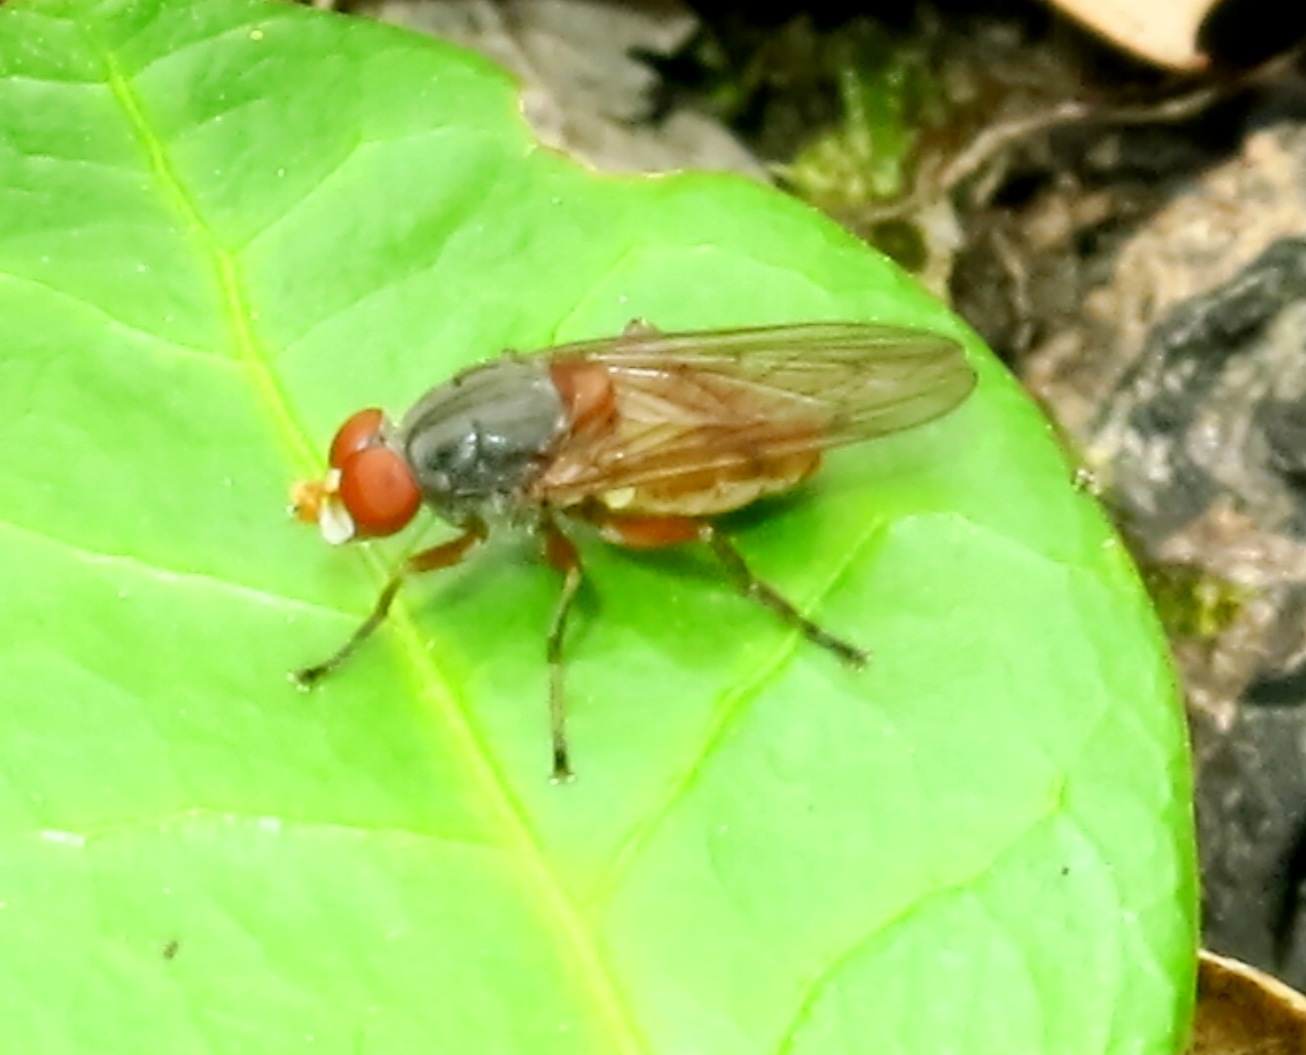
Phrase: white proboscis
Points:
(336, 524)
(333, 519)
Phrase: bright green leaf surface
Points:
(224, 226)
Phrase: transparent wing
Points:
(724, 400)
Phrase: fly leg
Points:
(738, 570)
(560, 552)
(652, 532)
(445, 555)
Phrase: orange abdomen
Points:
(694, 440)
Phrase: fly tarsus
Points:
(307, 677)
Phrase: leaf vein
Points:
(202, 816)
(139, 566)
(173, 347)
(417, 266)
(733, 704)
(823, 977)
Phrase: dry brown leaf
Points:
(1160, 31)
(1242, 1011)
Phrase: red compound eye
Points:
(362, 430)
(378, 490)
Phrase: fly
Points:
(646, 436)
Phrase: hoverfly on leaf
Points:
(646, 436)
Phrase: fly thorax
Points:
(476, 443)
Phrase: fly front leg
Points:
(652, 532)
(445, 555)
(560, 552)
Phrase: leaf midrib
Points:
(554, 903)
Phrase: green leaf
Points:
(225, 225)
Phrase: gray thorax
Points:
(478, 442)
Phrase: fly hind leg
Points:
(742, 575)
(653, 532)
